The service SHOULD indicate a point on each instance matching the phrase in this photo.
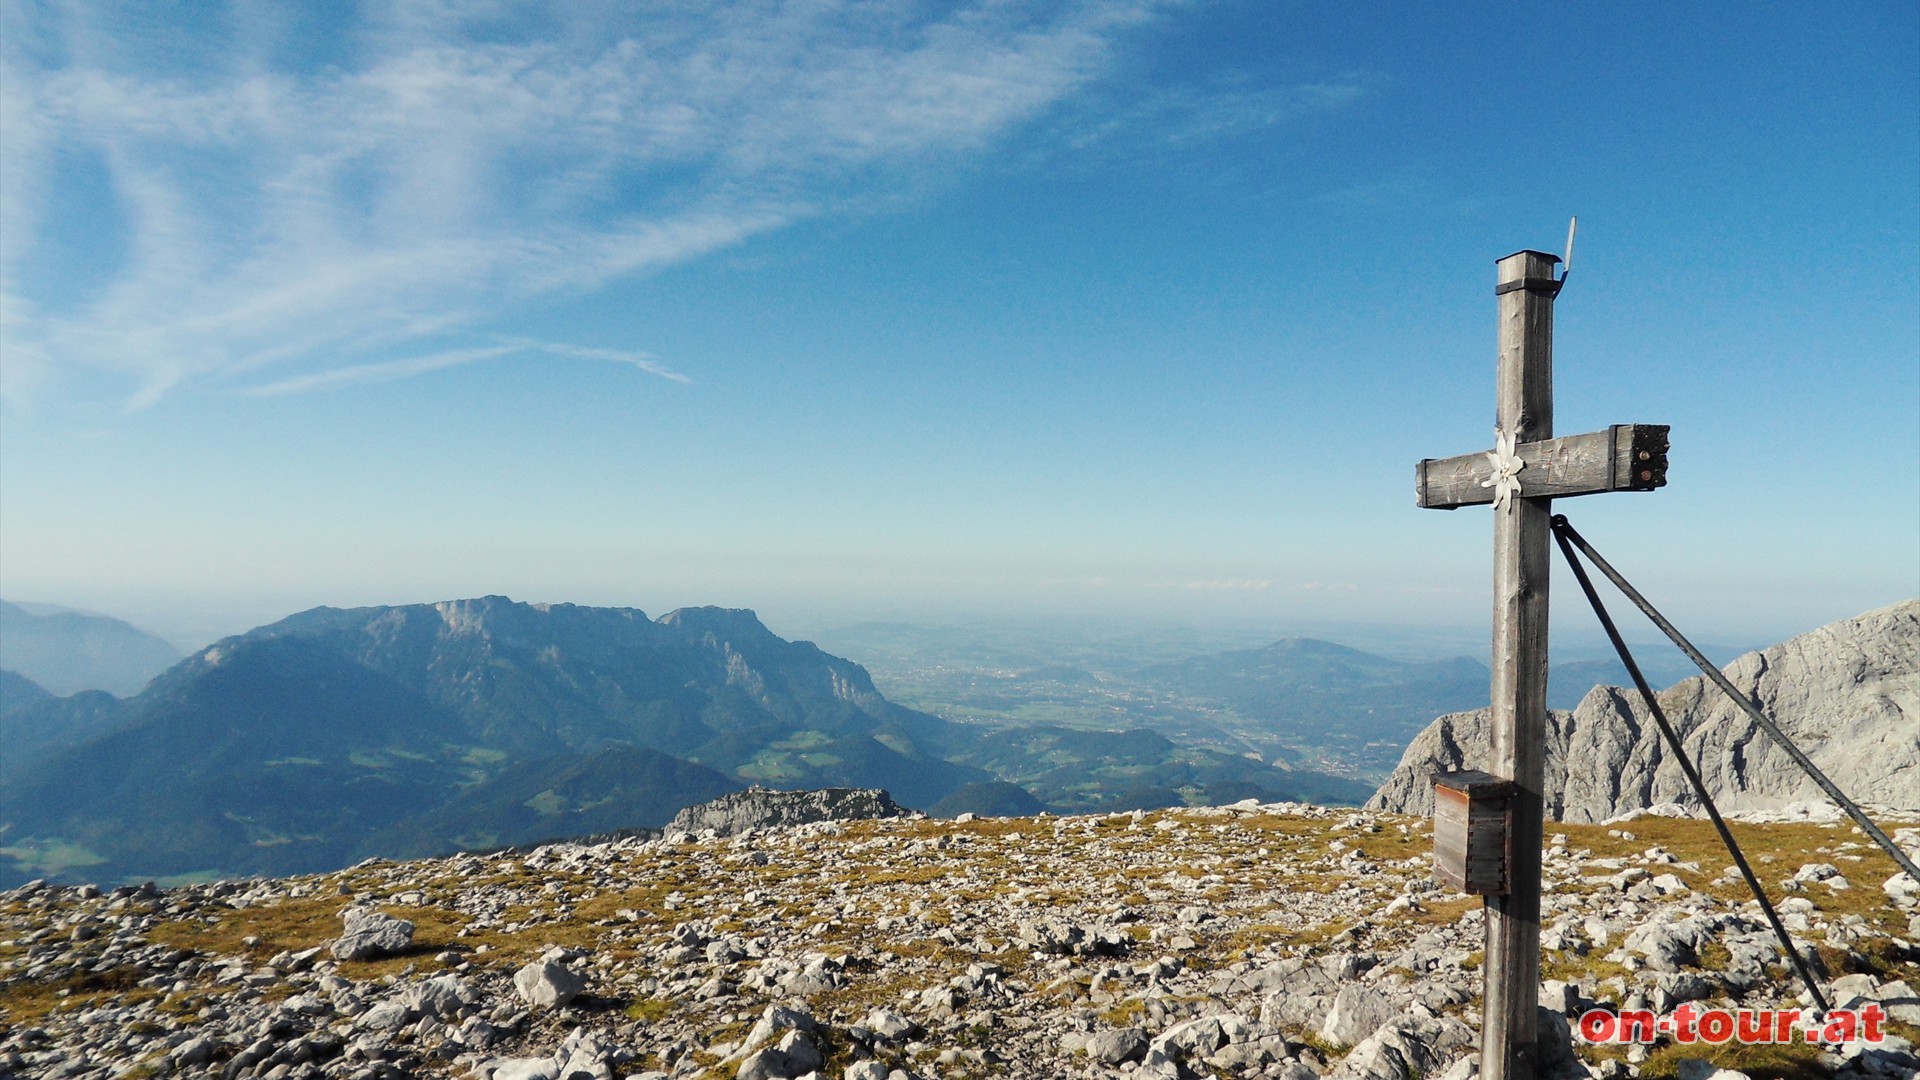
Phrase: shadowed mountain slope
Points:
(612, 789)
(1071, 771)
(1301, 684)
(17, 692)
(310, 742)
(994, 799)
(69, 651)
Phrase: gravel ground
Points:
(1278, 941)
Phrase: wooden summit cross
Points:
(1526, 470)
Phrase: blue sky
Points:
(915, 309)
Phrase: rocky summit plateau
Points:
(1280, 941)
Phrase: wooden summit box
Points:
(1470, 831)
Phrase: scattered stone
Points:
(1038, 949)
(1700, 1069)
(370, 934)
(1356, 1014)
(525, 1069)
(1116, 1045)
(548, 983)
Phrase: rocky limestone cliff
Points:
(761, 808)
(1848, 694)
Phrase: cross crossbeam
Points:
(1624, 457)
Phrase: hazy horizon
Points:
(1576, 636)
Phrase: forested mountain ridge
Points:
(296, 745)
(337, 734)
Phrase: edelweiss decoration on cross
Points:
(1505, 480)
(1520, 477)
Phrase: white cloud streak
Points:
(1169, 120)
(279, 226)
(386, 371)
(390, 370)
(1229, 585)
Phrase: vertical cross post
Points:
(1521, 477)
(1521, 571)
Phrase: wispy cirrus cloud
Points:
(384, 371)
(390, 370)
(1179, 115)
(1229, 584)
(278, 208)
(1167, 119)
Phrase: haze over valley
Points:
(338, 734)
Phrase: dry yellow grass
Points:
(1249, 870)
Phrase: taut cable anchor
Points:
(1562, 534)
(1566, 533)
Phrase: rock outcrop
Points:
(371, 934)
(1848, 695)
(764, 808)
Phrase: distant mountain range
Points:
(1301, 684)
(333, 735)
(1297, 701)
(17, 692)
(336, 734)
(69, 651)
(1082, 771)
